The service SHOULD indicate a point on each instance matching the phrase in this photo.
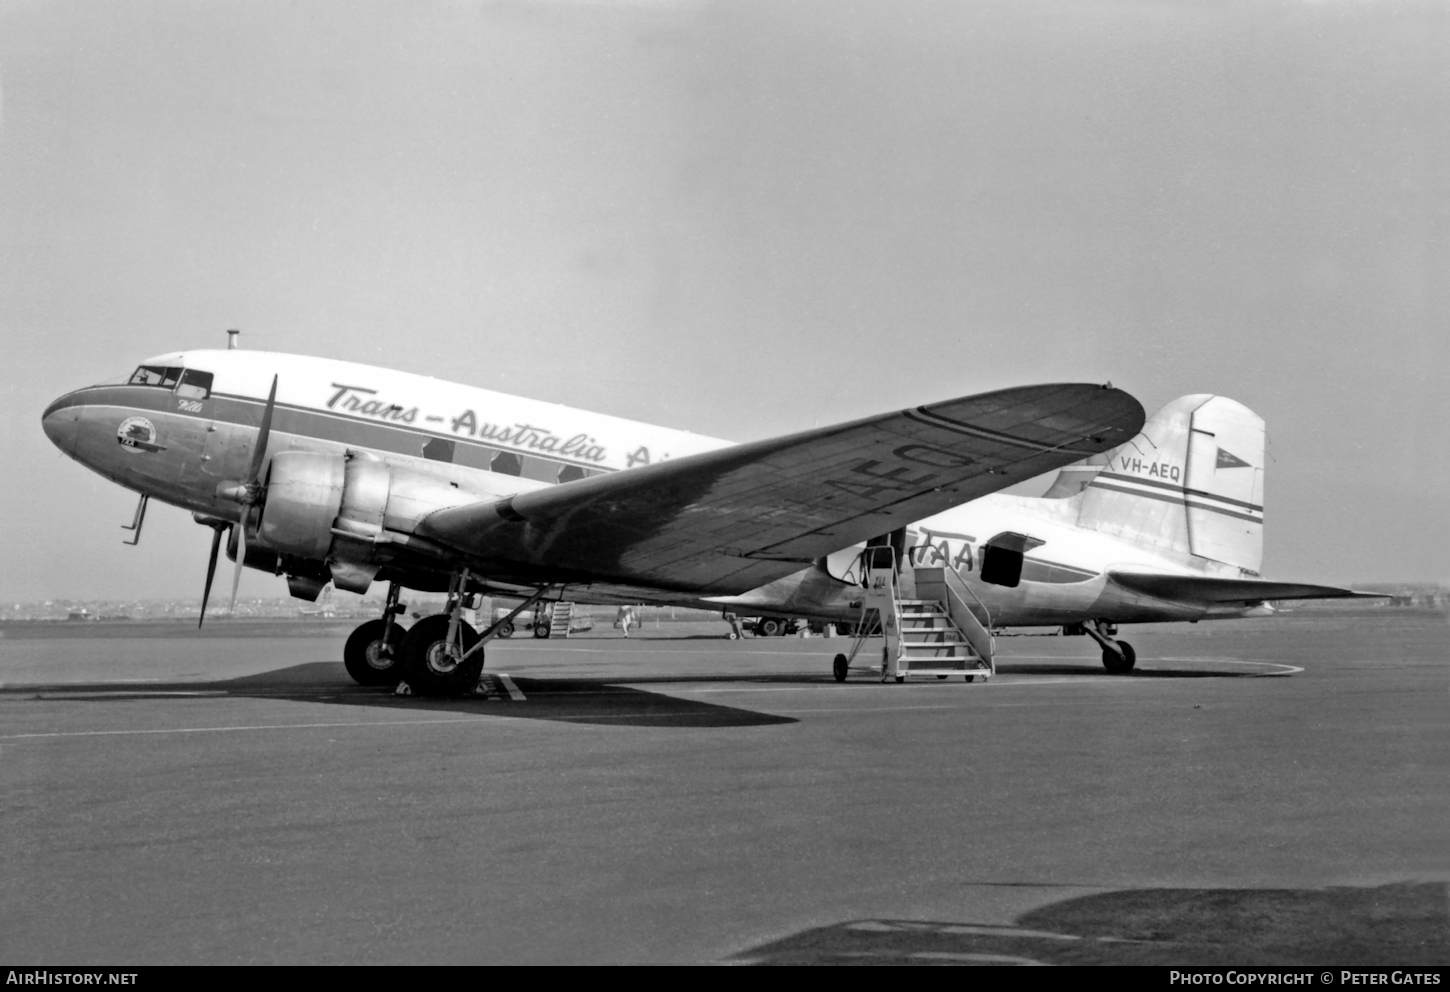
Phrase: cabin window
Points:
(195, 384)
(438, 449)
(507, 463)
(570, 472)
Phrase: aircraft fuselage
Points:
(186, 425)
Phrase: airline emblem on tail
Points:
(1226, 460)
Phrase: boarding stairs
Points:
(561, 618)
(931, 622)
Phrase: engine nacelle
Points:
(336, 508)
(304, 495)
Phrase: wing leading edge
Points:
(730, 520)
(1209, 589)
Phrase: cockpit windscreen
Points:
(193, 383)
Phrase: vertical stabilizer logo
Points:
(1226, 460)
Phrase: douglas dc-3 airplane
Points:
(328, 471)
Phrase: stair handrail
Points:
(991, 658)
(962, 582)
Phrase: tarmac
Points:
(1258, 792)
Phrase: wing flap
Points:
(1209, 589)
(732, 519)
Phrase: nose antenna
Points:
(232, 339)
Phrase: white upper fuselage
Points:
(546, 434)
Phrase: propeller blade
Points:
(241, 559)
(216, 543)
(264, 433)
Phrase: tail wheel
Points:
(368, 659)
(1123, 665)
(432, 666)
(839, 668)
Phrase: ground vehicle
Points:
(578, 621)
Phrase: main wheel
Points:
(431, 665)
(839, 668)
(506, 629)
(1123, 665)
(541, 628)
(365, 656)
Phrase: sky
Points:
(742, 219)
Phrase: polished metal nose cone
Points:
(61, 422)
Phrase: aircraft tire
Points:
(365, 663)
(541, 630)
(507, 630)
(839, 668)
(770, 627)
(1123, 665)
(427, 669)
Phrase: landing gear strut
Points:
(1118, 656)
(437, 654)
(373, 652)
(442, 655)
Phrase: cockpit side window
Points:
(195, 385)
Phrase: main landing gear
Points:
(442, 655)
(439, 656)
(373, 652)
(1118, 656)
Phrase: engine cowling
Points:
(304, 495)
(335, 509)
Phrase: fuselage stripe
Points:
(1183, 490)
(1180, 501)
(227, 408)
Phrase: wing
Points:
(1207, 589)
(733, 519)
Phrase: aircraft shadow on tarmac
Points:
(1402, 924)
(569, 700)
(1008, 668)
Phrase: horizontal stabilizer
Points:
(1210, 589)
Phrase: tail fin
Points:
(1192, 481)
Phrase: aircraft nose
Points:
(61, 422)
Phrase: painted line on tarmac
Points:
(963, 687)
(260, 726)
(663, 650)
(54, 694)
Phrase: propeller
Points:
(216, 543)
(250, 493)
